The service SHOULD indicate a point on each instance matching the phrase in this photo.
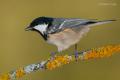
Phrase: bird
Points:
(63, 32)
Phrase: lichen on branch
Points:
(57, 61)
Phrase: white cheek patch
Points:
(41, 28)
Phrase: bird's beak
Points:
(28, 29)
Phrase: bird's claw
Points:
(76, 56)
(52, 55)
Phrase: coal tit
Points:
(63, 32)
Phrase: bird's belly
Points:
(64, 39)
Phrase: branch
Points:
(58, 61)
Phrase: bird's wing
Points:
(73, 23)
(63, 23)
(60, 24)
(78, 23)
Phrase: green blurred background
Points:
(19, 48)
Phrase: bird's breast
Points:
(64, 39)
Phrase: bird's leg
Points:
(52, 55)
(76, 52)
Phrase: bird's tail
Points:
(101, 22)
(105, 21)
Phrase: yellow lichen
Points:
(57, 61)
(101, 52)
(5, 77)
(20, 72)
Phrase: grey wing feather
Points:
(78, 23)
(55, 25)
(60, 24)
(74, 23)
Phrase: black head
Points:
(40, 25)
(39, 21)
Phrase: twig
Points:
(58, 61)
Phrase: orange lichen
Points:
(5, 77)
(20, 72)
(101, 52)
(58, 61)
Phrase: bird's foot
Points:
(52, 54)
(76, 55)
